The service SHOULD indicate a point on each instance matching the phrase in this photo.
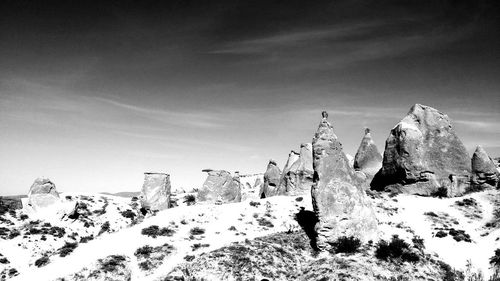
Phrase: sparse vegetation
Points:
(150, 257)
(197, 231)
(196, 246)
(67, 249)
(397, 248)
(104, 228)
(254, 204)
(155, 231)
(129, 214)
(42, 261)
(111, 263)
(346, 245)
(265, 222)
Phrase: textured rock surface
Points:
(368, 159)
(297, 175)
(220, 187)
(339, 202)
(484, 170)
(42, 193)
(272, 178)
(155, 193)
(422, 153)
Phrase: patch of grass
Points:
(197, 231)
(67, 249)
(155, 231)
(397, 248)
(346, 245)
(466, 202)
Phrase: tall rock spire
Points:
(368, 159)
(339, 202)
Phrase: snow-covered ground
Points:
(405, 215)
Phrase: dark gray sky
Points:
(92, 94)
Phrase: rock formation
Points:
(423, 154)
(368, 159)
(42, 193)
(10, 203)
(484, 171)
(297, 175)
(155, 193)
(220, 187)
(272, 178)
(339, 202)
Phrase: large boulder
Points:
(339, 202)
(423, 155)
(368, 159)
(220, 187)
(484, 170)
(42, 193)
(297, 175)
(272, 178)
(155, 193)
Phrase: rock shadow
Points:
(307, 220)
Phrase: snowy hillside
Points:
(113, 241)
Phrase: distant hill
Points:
(126, 194)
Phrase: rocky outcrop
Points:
(484, 171)
(339, 202)
(155, 193)
(9, 204)
(423, 154)
(220, 187)
(42, 194)
(272, 178)
(368, 159)
(250, 186)
(297, 174)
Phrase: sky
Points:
(94, 94)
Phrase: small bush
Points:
(449, 274)
(189, 199)
(144, 251)
(129, 214)
(197, 231)
(42, 261)
(346, 245)
(189, 257)
(4, 260)
(265, 222)
(112, 262)
(254, 204)
(299, 199)
(396, 249)
(86, 239)
(441, 192)
(418, 243)
(199, 245)
(67, 249)
(495, 259)
(104, 228)
(441, 234)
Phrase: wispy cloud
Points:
(482, 125)
(343, 44)
(206, 120)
